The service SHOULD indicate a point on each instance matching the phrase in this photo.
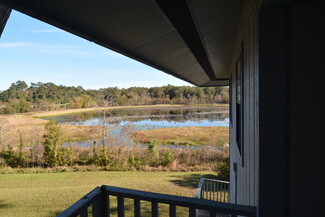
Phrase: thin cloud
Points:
(15, 44)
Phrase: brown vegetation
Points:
(33, 129)
(80, 110)
(216, 136)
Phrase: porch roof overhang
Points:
(189, 39)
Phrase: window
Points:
(239, 103)
(231, 99)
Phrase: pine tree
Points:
(20, 149)
(52, 143)
(95, 152)
(70, 155)
(104, 157)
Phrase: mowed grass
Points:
(186, 136)
(47, 194)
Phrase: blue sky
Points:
(33, 51)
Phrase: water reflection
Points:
(124, 122)
(166, 116)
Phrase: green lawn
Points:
(47, 194)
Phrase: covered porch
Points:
(270, 52)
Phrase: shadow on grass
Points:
(4, 204)
(191, 180)
(128, 207)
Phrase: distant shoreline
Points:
(81, 110)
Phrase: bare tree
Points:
(109, 102)
(36, 150)
(3, 132)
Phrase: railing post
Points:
(96, 208)
(105, 205)
(108, 204)
(192, 212)
(172, 210)
(219, 192)
(214, 191)
(154, 209)
(223, 193)
(137, 208)
(120, 206)
(100, 206)
(84, 213)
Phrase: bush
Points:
(223, 169)
(10, 157)
(167, 159)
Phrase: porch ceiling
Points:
(189, 39)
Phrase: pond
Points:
(122, 122)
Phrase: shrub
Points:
(52, 142)
(223, 169)
(167, 159)
(10, 157)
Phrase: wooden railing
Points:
(212, 189)
(97, 203)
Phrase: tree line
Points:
(20, 97)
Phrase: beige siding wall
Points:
(246, 190)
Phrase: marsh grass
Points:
(33, 130)
(117, 158)
(216, 136)
(32, 126)
(21, 128)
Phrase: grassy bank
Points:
(47, 194)
(185, 136)
(32, 130)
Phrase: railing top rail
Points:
(84, 202)
(182, 201)
(214, 180)
(200, 185)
